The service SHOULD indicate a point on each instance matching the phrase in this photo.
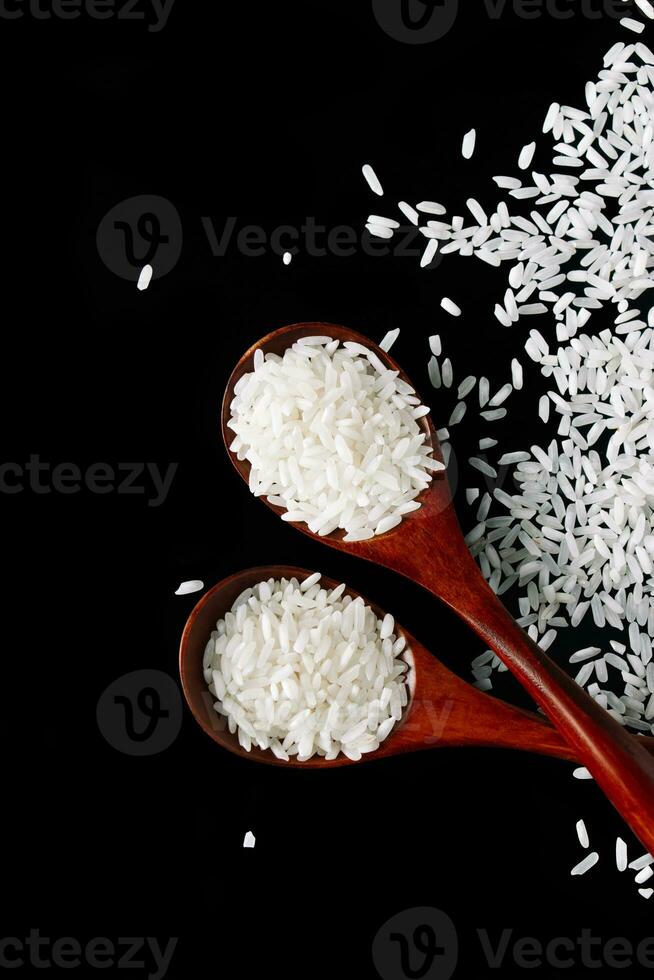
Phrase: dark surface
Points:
(266, 113)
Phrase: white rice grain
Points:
(582, 833)
(588, 862)
(186, 588)
(450, 307)
(526, 155)
(372, 179)
(145, 277)
(468, 146)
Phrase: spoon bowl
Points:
(435, 499)
(428, 547)
(202, 621)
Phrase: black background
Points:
(264, 112)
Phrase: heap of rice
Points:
(303, 670)
(332, 436)
(573, 535)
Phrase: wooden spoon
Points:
(428, 547)
(443, 711)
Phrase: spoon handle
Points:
(527, 731)
(618, 763)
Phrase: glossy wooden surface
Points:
(428, 548)
(443, 710)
